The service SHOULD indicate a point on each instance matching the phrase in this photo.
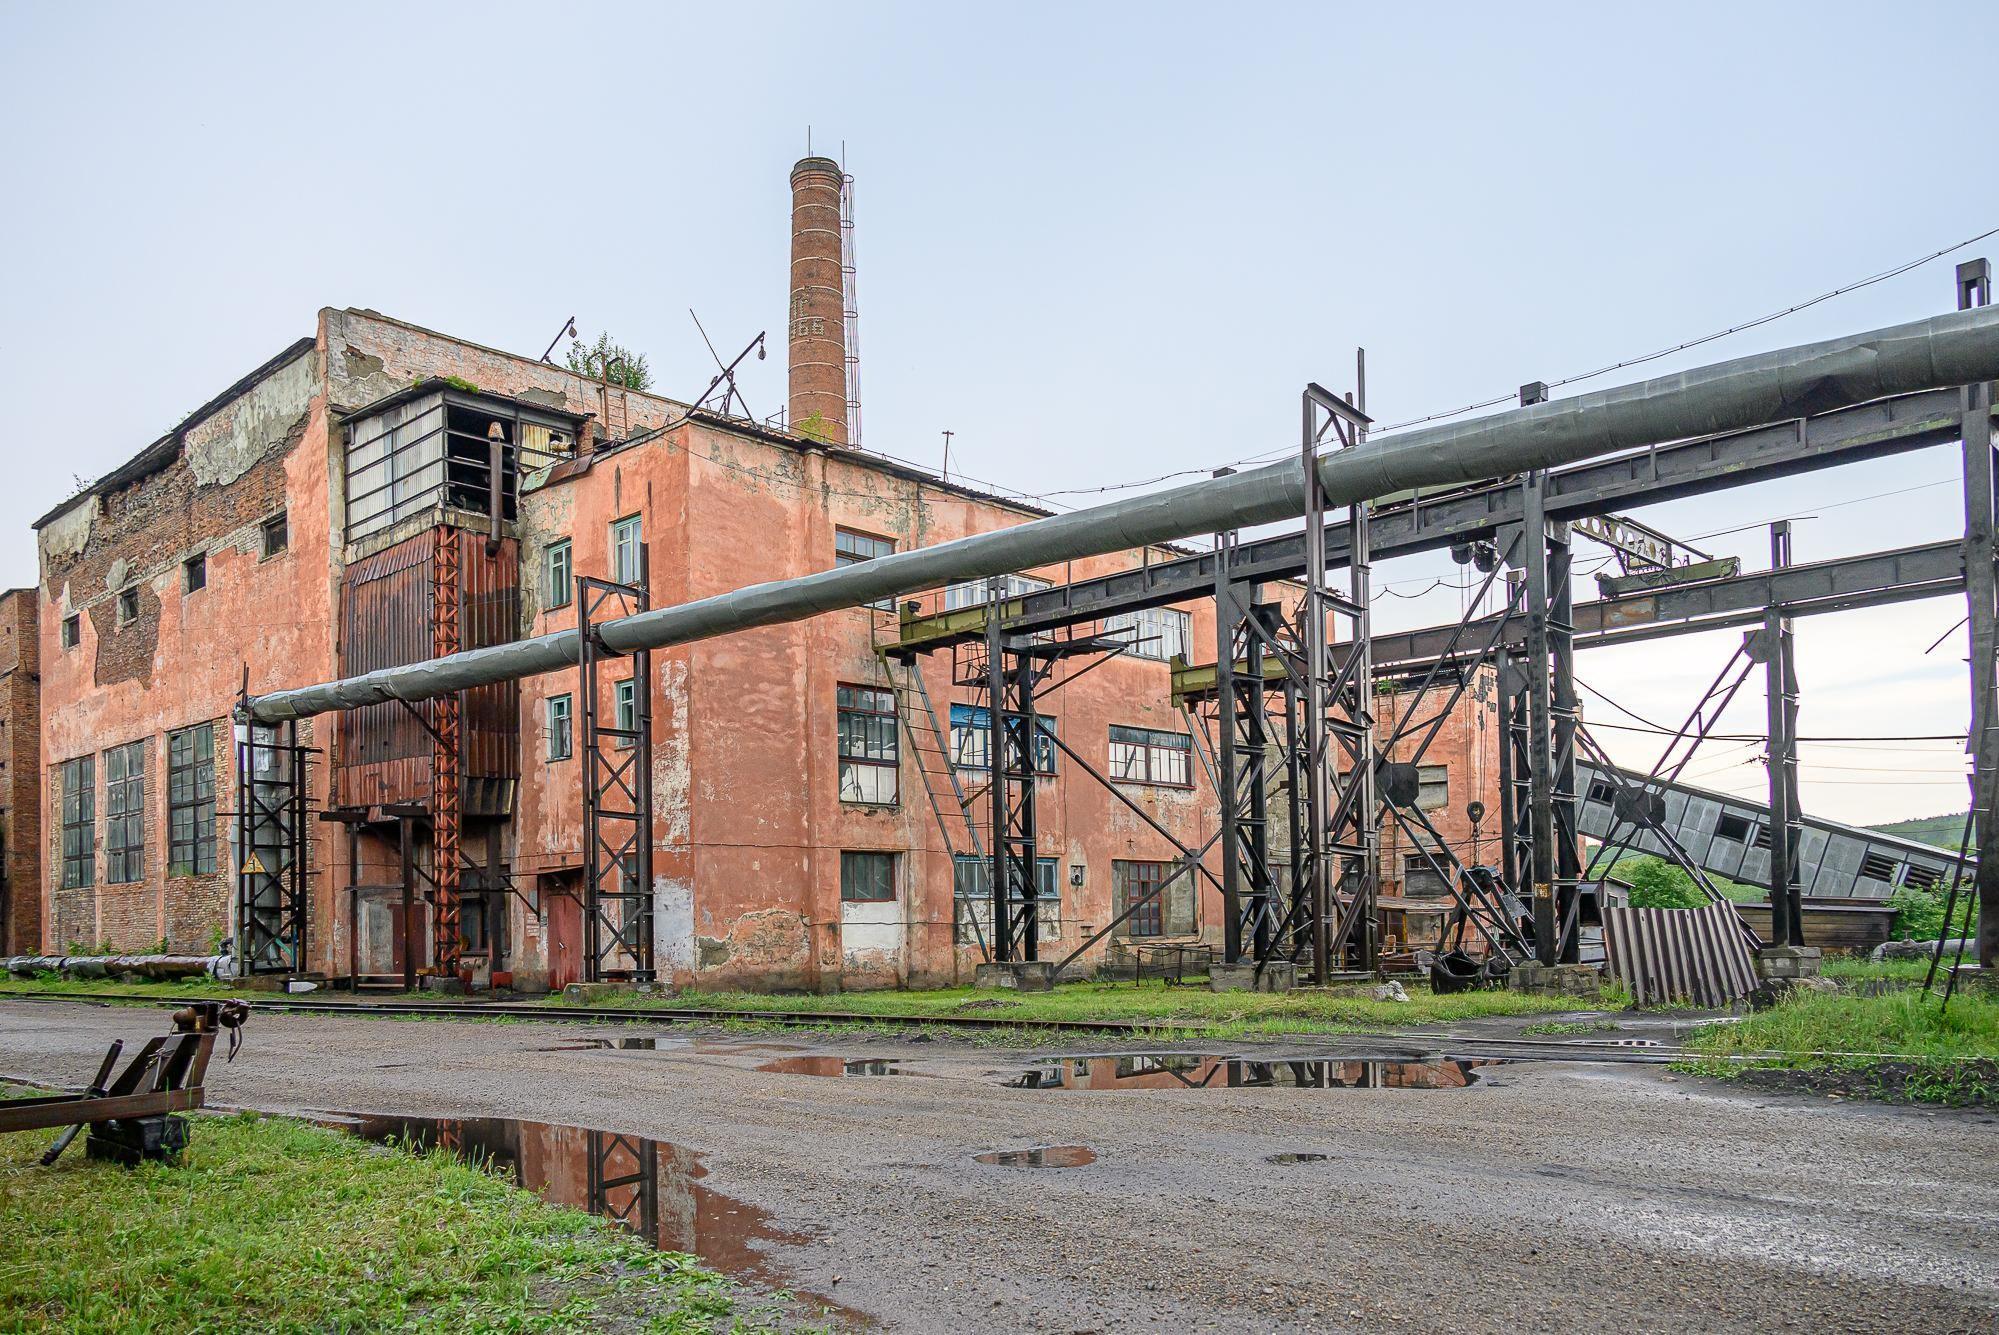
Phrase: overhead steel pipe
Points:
(1956, 349)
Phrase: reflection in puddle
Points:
(1178, 1071)
(1045, 1156)
(1297, 1156)
(671, 1043)
(833, 1066)
(649, 1187)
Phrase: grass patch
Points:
(1570, 1027)
(275, 1225)
(1900, 1044)
(51, 984)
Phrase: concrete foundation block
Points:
(443, 986)
(1971, 978)
(1770, 991)
(1277, 976)
(1017, 975)
(1560, 980)
(584, 994)
(1773, 962)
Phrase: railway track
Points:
(1155, 1032)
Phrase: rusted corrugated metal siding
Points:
(1685, 955)
(388, 615)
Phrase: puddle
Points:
(1179, 1071)
(709, 1047)
(830, 1066)
(1296, 1156)
(651, 1188)
(1045, 1156)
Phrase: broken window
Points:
(627, 551)
(1144, 755)
(125, 814)
(277, 534)
(191, 801)
(970, 740)
(194, 573)
(971, 891)
(560, 575)
(867, 878)
(974, 593)
(128, 606)
(1158, 912)
(561, 737)
(852, 548)
(72, 630)
(870, 753)
(79, 822)
(1156, 632)
(1422, 880)
(1732, 827)
(625, 695)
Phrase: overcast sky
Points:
(1098, 243)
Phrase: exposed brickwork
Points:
(818, 331)
(20, 770)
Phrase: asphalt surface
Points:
(1546, 1195)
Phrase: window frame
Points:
(194, 573)
(1143, 874)
(78, 817)
(875, 714)
(128, 604)
(625, 710)
(978, 730)
(561, 590)
(886, 861)
(71, 632)
(125, 813)
(1147, 748)
(977, 889)
(841, 560)
(1149, 638)
(1433, 787)
(559, 726)
(634, 524)
(191, 853)
(278, 527)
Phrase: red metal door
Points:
(559, 891)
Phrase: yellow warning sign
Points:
(255, 864)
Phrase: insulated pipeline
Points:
(1947, 350)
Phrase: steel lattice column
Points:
(447, 754)
(1777, 649)
(1011, 747)
(1552, 860)
(617, 792)
(1243, 743)
(1981, 591)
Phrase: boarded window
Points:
(1158, 912)
(867, 878)
(79, 822)
(1433, 787)
(971, 890)
(1143, 755)
(870, 755)
(191, 801)
(125, 814)
(1421, 880)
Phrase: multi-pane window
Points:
(974, 593)
(867, 878)
(1433, 787)
(1156, 632)
(277, 534)
(625, 696)
(191, 801)
(561, 735)
(125, 814)
(851, 549)
(971, 740)
(627, 550)
(1156, 911)
(1144, 755)
(971, 887)
(560, 573)
(79, 822)
(870, 754)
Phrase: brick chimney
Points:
(818, 304)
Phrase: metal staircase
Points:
(950, 802)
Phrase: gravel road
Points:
(1547, 1195)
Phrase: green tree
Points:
(628, 368)
(1658, 884)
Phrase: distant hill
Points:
(1939, 831)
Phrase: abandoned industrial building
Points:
(804, 805)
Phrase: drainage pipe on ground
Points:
(1947, 350)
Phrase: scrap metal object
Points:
(133, 1117)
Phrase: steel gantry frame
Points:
(617, 789)
(1768, 415)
